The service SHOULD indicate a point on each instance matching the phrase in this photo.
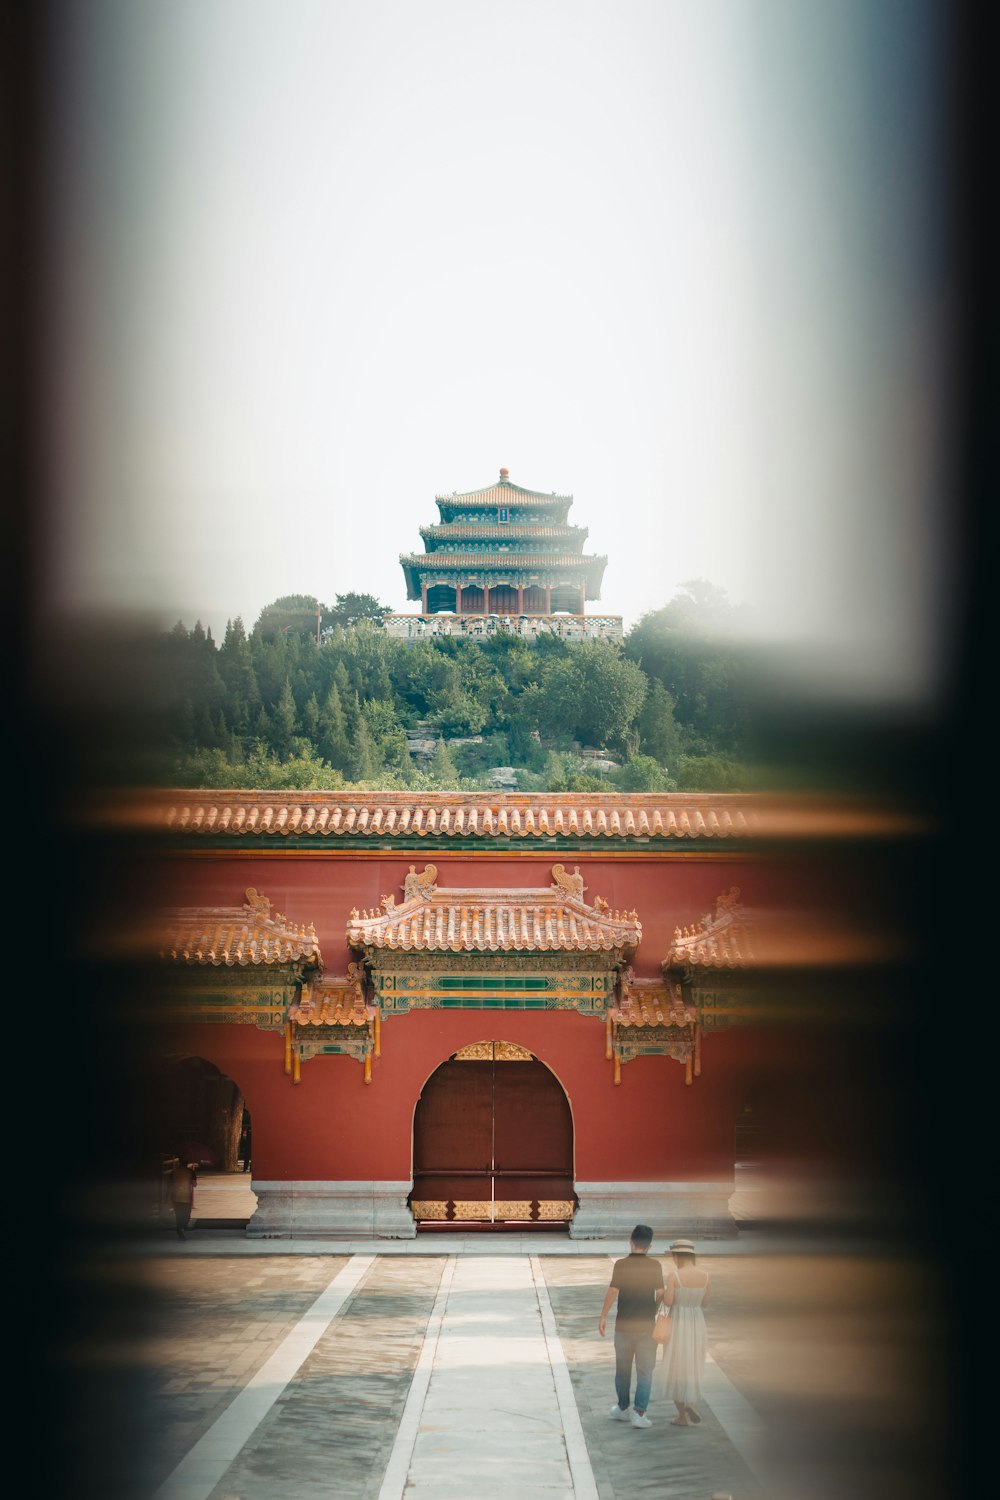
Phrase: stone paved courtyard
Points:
(434, 1374)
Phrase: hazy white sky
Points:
(315, 263)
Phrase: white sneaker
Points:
(639, 1420)
(618, 1414)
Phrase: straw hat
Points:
(682, 1247)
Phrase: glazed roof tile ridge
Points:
(720, 940)
(651, 1002)
(664, 816)
(234, 936)
(503, 528)
(735, 937)
(501, 487)
(485, 919)
(481, 558)
(333, 1000)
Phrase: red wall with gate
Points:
(332, 1126)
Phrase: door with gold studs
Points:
(493, 1140)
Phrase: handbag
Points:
(662, 1328)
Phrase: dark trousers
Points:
(182, 1215)
(634, 1345)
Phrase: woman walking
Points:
(688, 1291)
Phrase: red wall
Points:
(666, 892)
(333, 1126)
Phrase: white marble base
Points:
(695, 1210)
(332, 1210)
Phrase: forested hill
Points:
(323, 698)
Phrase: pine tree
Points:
(443, 769)
(310, 719)
(332, 738)
(362, 764)
(242, 694)
(284, 719)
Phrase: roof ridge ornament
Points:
(420, 887)
(571, 885)
(259, 905)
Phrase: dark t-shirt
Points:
(638, 1278)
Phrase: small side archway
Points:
(195, 1110)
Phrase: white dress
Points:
(684, 1356)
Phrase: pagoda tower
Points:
(508, 554)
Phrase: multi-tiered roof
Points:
(503, 550)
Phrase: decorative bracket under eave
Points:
(333, 1015)
(649, 1019)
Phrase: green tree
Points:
(659, 733)
(641, 773)
(311, 719)
(387, 735)
(333, 739)
(242, 693)
(362, 761)
(594, 694)
(284, 720)
(294, 613)
(442, 769)
(712, 773)
(350, 609)
(365, 652)
(690, 647)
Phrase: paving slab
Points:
(484, 1375)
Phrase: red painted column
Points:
(520, 599)
(548, 599)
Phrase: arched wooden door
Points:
(493, 1141)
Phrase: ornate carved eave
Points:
(739, 966)
(650, 1019)
(484, 920)
(333, 1016)
(527, 949)
(237, 936)
(236, 965)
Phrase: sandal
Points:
(676, 1422)
(693, 1416)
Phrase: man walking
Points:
(637, 1282)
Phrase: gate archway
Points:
(493, 1140)
(193, 1109)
